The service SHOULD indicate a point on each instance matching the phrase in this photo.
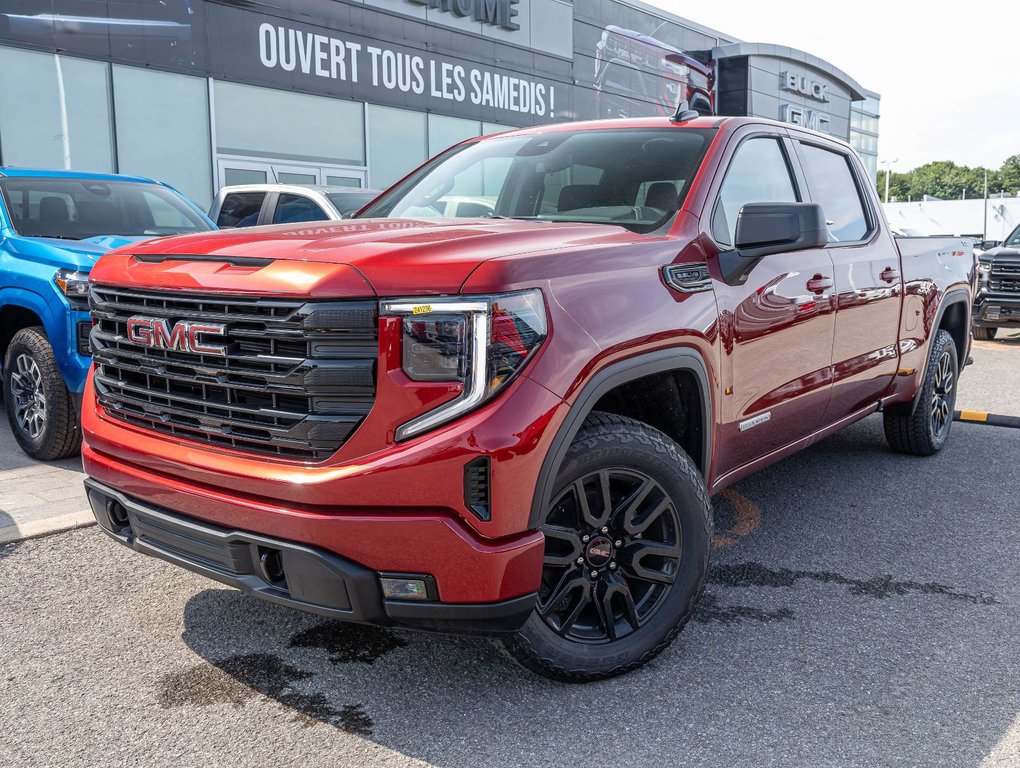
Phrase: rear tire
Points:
(628, 540)
(39, 407)
(924, 431)
(984, 334)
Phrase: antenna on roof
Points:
(684, 112)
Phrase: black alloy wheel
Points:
(924, 429)
(613, 550)
(628, 536)
(943, 396)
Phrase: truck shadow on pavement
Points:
(866, 618)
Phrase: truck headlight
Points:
(480, 341)
(74, 285)
(984, 272)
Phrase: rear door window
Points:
(240, 209)
(832, 185)
(292, 208)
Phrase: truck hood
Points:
(396, 256)
(69, 254)
(1002, 253)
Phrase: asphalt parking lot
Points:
(862, 610)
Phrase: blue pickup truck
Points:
(54, 225)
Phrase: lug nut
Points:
(612, 565)
(580, 560)
(584, 539)
(618, 543)
(605, 529)
(594, 574)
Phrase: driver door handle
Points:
(819, 284)
(890, 275)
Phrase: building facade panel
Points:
(355, 90)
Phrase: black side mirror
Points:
(764, 228)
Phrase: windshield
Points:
(349, 202)
(76, 209)
(1014, 238)
(633, 177)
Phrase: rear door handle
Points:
(819, 283)
(890, 275)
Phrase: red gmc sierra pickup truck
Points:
(512, 425)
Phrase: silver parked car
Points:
(248, 205)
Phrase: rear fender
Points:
(959, 296)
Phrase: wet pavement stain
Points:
(757, 575)
(239, 679)
(710, 610)
(347, 643)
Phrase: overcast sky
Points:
(949, 79)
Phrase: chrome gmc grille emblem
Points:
(184, 336)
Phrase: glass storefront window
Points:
(444, 132)
(163, 129)
(396, 144)
(342, 181)
(262, 122)
(488, 128)
(87, 95)
(234, 176)
(54, 111)
(864, 143)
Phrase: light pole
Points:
(888, 171)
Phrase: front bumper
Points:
(995, 310)
(304, 577)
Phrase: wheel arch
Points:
(677, 360)
(954, 317)
(13, 318)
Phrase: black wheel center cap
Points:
(599, 552)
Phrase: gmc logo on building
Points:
(157, 333)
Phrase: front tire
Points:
(628, 540)
(39, 407)
(924, 431)
(984, 334)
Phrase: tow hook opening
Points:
(118, 514)
(271, 567)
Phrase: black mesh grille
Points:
(296, 380)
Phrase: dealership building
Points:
(202, 93)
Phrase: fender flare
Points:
(955, 296)
(674, 359)
(23, 298)
(56, 324)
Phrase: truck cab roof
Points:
(730, 123)
(43, 173)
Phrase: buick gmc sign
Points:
(498, 13)
(805, 86)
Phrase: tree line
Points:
(947, 180)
